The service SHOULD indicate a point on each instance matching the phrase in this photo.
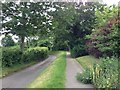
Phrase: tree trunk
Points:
(22, 43)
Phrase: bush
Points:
(103, 75)
(85, 77)
(13, 55)
(59, 45)
(45, 43)
(10, 56)
(78, 51)
(106, 74)
(104, 39)
(37, 53)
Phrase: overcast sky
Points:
(110, 2)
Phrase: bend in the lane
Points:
(22, 78)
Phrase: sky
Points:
(108, 2)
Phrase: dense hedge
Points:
(37, 53)
(78, 50)
(10, 56)
(13, 55)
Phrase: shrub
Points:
(78, 51)
(59, 45)
(85, 77)
(105, 36)
(45, 43)
(36, 53)
(103, 75)
(13, 55)
(104, 41)
(106, 74)
(10, 56)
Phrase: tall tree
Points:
(24, 19)
(72, 22)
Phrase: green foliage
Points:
(36, 53)
(67, 24)
(13, 55)
(106, 75)
(105, 37)
(25, 19)
(44, 43)
(103, 75)
(53, 76)
(85, 76)
(7, 41)
(62, 19)
(0, 57)
(72, 23)
(78, 50)
(87, 61)
(59, 45)
(83, 24)
(103, 16)
(16, 67)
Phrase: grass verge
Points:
(53, 76)
(87, 61)
(9, 70)
(56, 53)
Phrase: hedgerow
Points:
(13, 55)
(36, 53)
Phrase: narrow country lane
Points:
(73, 67)
(22, 78)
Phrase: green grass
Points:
(87, 61)
(54, 52)
(53, 76)
(9, 70)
